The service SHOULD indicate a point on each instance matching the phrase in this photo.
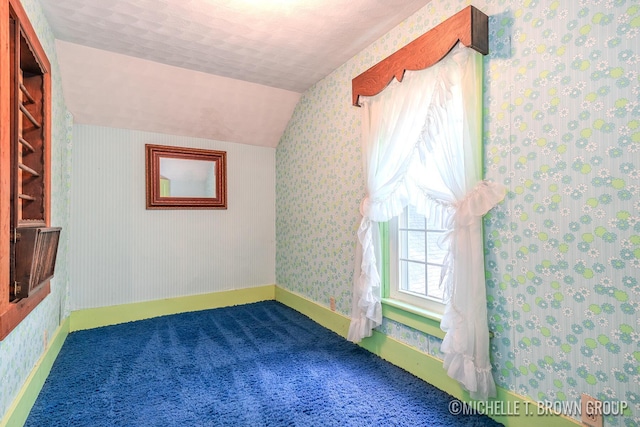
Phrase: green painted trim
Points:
(336, 322)
(480, 112)
(412, 316)
(19, 410)
(422, 365)
(385, 275)
(112, 315)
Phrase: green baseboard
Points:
(427, 367)
(18, 412)
(104, 316)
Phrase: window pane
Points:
(433, 282)
(417, 258)
(403, 245)
(415, 245)
(413, 274)
(414, 220)
(434, 253)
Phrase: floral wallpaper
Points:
(562, 132)
(23, 347)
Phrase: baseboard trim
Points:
(424, 366)
(19, 410)
(104, 316)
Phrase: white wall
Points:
(122, 253)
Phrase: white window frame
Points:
(395, 293)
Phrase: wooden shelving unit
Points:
(29, 134)
(25, 112)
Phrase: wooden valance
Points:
(469, 26)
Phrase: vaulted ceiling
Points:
(230, 70)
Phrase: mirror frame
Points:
(152, 169)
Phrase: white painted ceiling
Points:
(230, 70)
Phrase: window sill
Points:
(415, 317)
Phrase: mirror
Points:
(185, 178)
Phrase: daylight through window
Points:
(417, 248)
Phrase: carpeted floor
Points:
(260, 364)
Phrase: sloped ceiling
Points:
(229, 70)
(110, 89)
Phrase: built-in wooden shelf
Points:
(26, 144)
(25, 108)
(26, 93)
(29, 116)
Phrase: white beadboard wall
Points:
(122, 253)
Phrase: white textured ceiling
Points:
(110, 89)
(242, 64)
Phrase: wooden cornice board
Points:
(470, 26)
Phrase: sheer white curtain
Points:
(431, 120)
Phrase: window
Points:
(434, 115)
(416, 254)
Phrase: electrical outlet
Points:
(591, 410)
(332, 303)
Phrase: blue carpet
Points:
(260, 364)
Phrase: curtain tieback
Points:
(477, 202)
(365, 207)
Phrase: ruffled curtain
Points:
(431, 121)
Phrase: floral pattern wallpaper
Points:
(23, 347)
(562, 132)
